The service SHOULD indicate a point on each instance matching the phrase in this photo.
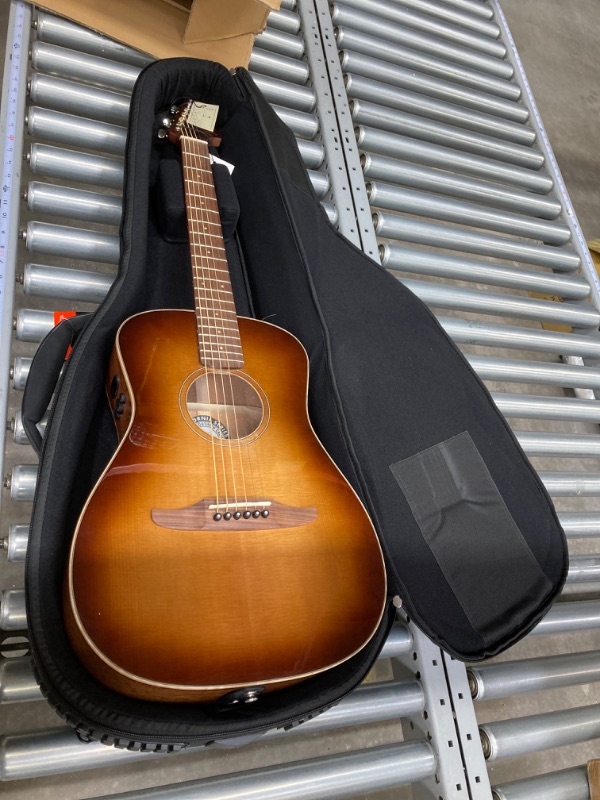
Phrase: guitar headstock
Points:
(190, 119)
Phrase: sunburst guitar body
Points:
(221, 551)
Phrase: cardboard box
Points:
(219, 30)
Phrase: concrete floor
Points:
(558, 45)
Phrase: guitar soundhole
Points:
(224, 406)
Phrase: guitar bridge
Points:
(211, 514)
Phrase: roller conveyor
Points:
(457, 183)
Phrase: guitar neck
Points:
(219, 343)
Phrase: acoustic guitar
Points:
(221, 552)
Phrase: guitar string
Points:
(213, 364)
(200, 149)
(210, 196)
(251, 455)
(202, 329)
(226, 314)
(242, 452)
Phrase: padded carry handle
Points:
(44, 372)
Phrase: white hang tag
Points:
(203, 115)
(217, 160)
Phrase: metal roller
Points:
(12, 610)
(517, 737)
(286, 44)
(423, 262)
(300, 98)
(57, 30)
(398, 642)
(540, 372)
(432, 206)
(17, 681)
(361, 88)
(374, 702)
(21, 482)
(18, 429)
(440, 133)
(312, 154)
(451, 297)
(66, 283)
(580, 523)
(348, 39)
(61, 128)
(325, 778)
(67, 242)
(475, 7)
(438, 88)
(331, 211)
(431, 179)
(31, 324)
(372, 140)
(568, 784)
(496, 681)
(559, 445)
(393, 12)
(79, 99)
(372, 24)
(483, 244)
(24, 755)
(72, 165)
(15, 544)
(75, 65)
(571, 484)
(510, 336)
(584, 569)
(277, 66)
(320, 182)
(534, 407)
(284, 20)
(19, 372)
(569, 617)
(302, 124)
(468, 20)
(64, 201)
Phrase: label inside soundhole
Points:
(212, 426)
(224, 406)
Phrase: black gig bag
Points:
(472, 543)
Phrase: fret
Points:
(219, 295)
(220, 350)
(205, 276)
(195, 182)
(207, 338)
(210, 210)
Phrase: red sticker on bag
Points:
(59, 316)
